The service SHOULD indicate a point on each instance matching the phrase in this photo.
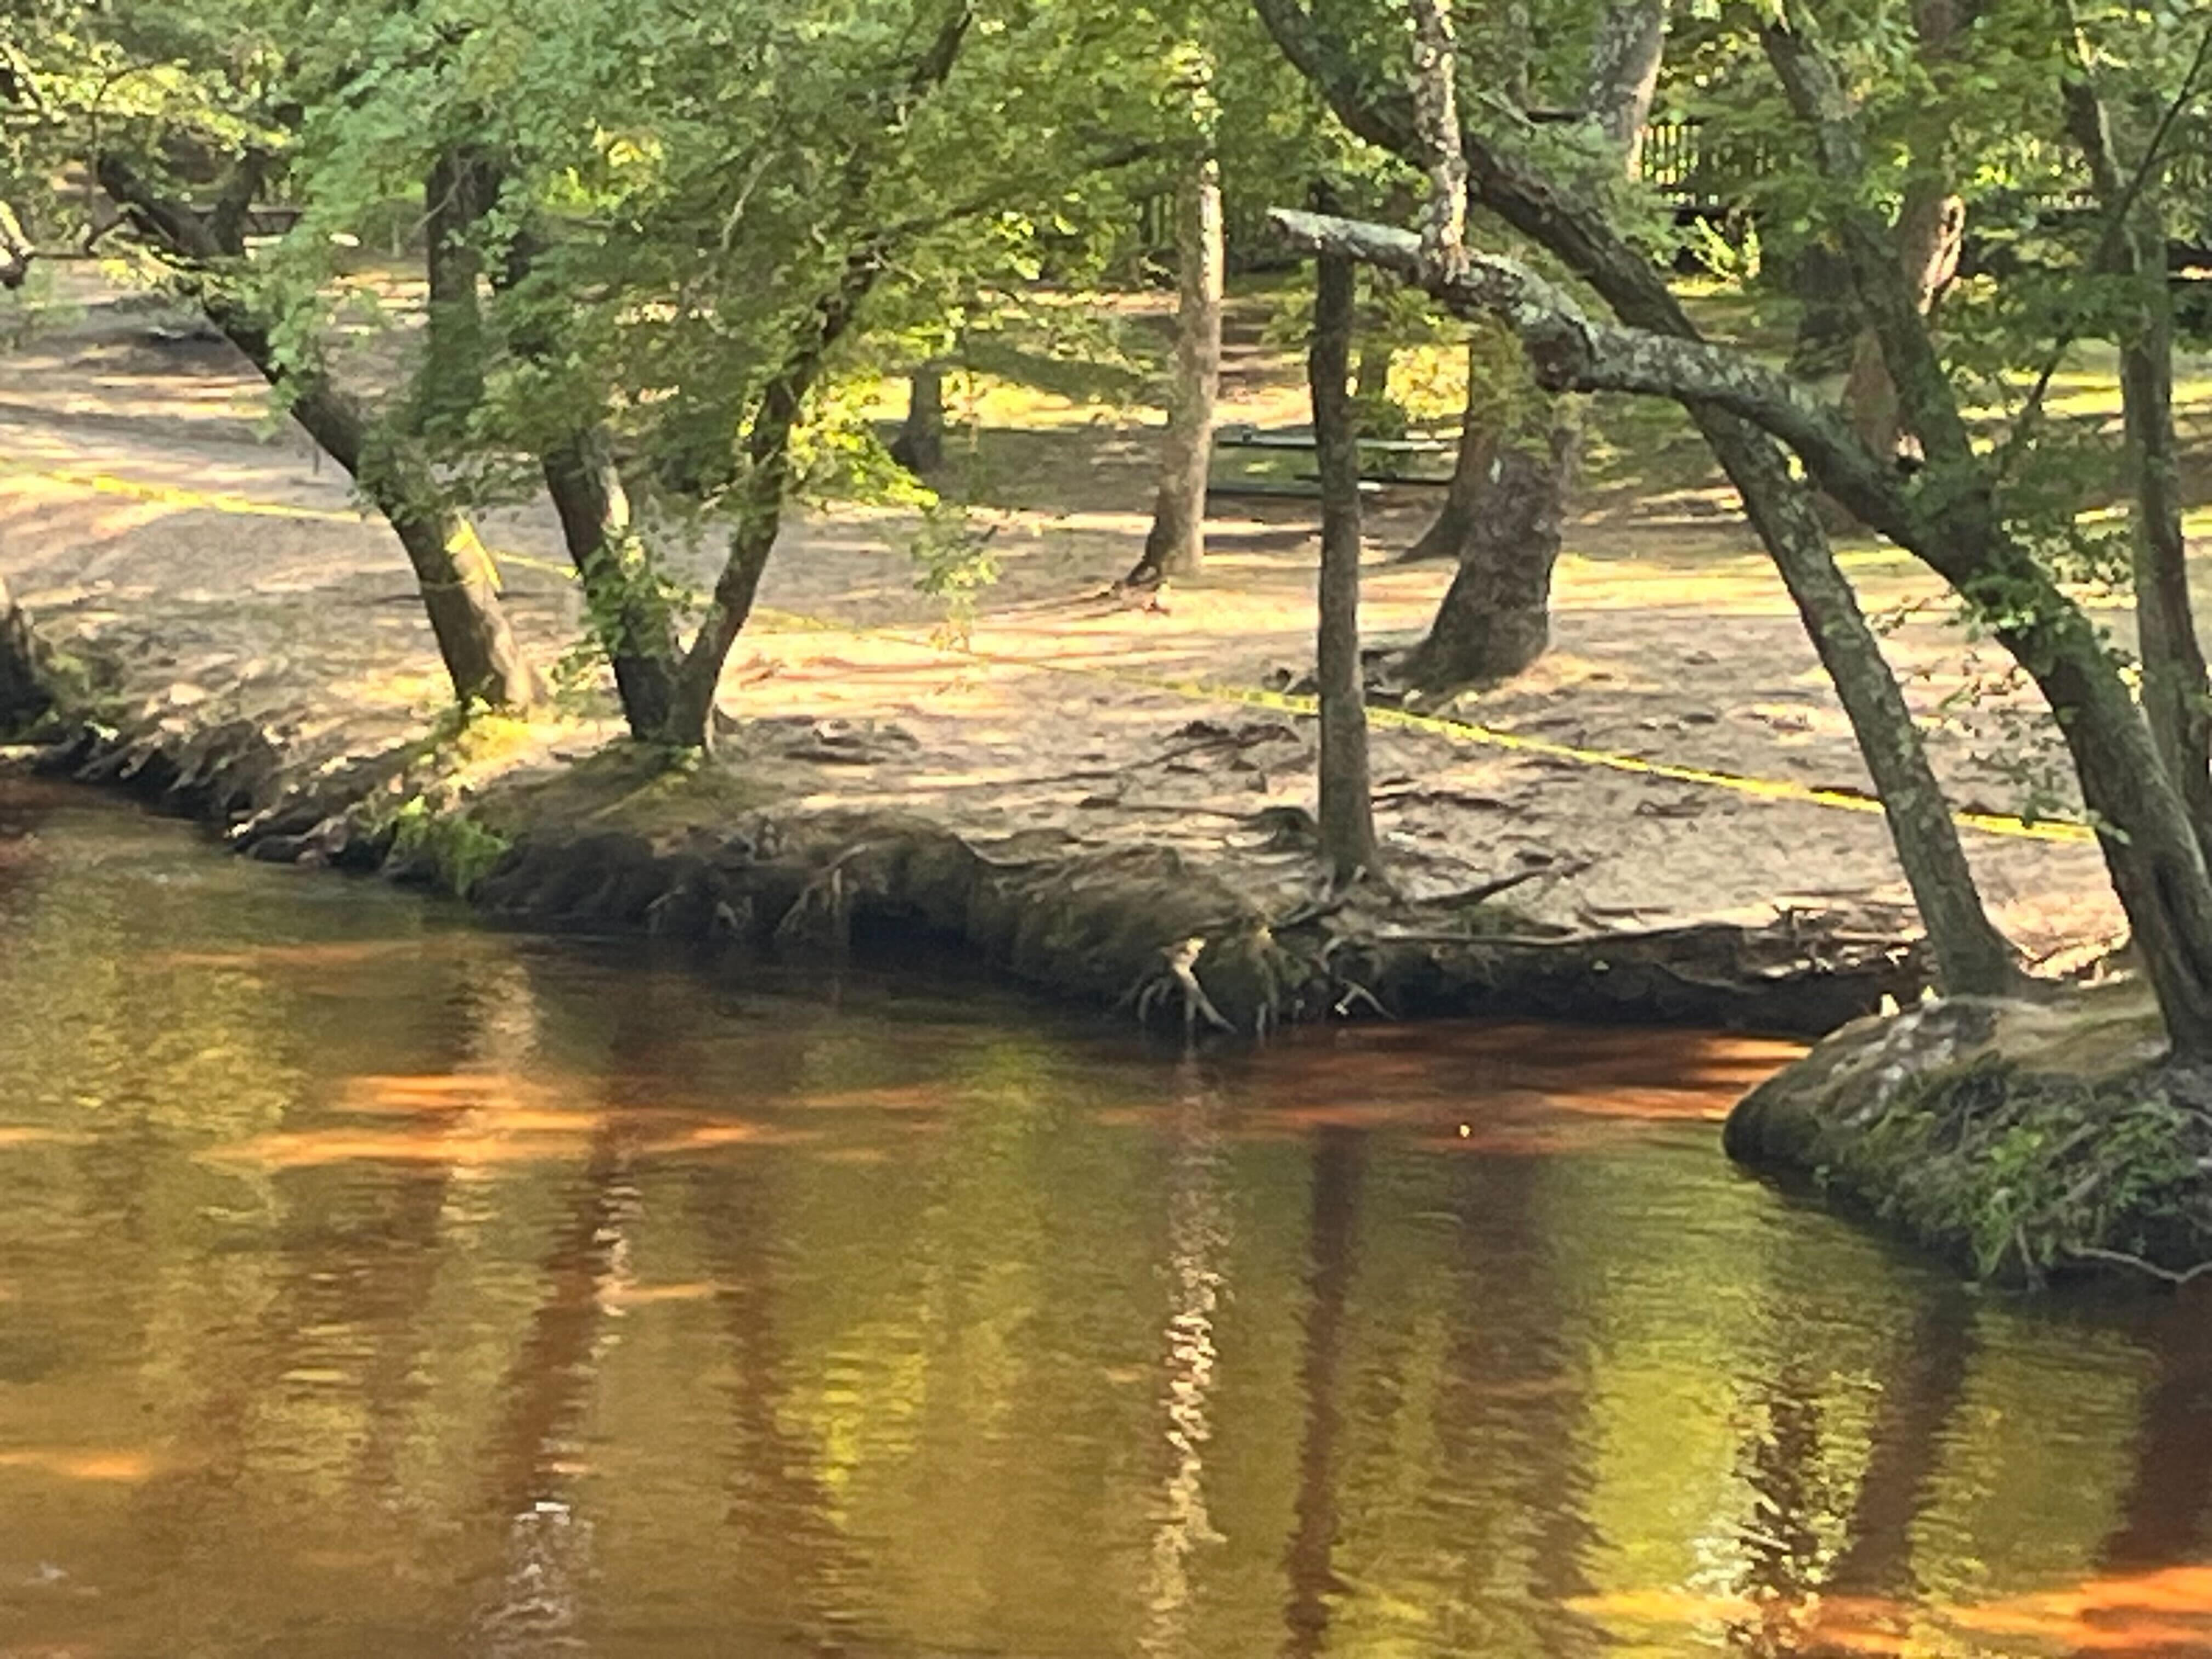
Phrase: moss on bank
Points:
(2023, 1139)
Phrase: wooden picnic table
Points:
(1244, 435)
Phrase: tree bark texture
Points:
(1573, 230)
(1496, 618)
(23, 693)
(454, 573)
(1347, 813)
(920, 446)
(1176, 546)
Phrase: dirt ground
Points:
(148, 502)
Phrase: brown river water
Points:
(373, 1283)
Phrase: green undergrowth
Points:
(2031, 1174)
(454, 849)
(2027, 1139)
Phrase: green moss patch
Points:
(2024, 1140)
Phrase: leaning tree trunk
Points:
(458, 583)
(920, 446)
(623, 594)
(23, 693)
(759, 508)
(2177, 697)
(1347, 813)
(1449, 533)
(1177, 543)
(1496, 618)
(621, 588)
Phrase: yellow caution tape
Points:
(1460, 730)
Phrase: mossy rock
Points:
(2021, 1138)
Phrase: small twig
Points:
(2167, 1275)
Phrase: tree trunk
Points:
(760, 498)
(1496, 617)
(920, 446)
(458, 583)
(1972, 958)
(1827, 322)
(1177, 543)
(691, 722)
(1930, 230)
(1448, 534)
(1347, 813)
(461, 189)
(1495, 620)
(2177, 699)
(1926, 839)
(621, 589)
(23, 694)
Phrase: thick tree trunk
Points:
(621, 590)
(1496, 618)
(1972, 958)
(1177, 543)
(920, 446)
(459, 583)
(1478, 448)
(1347, 813)
(2151, 849)
(23, 693)
(462, 187)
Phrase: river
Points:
(373, 1283)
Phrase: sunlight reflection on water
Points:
(371, 1284)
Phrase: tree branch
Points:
(1571, 351)
(1435, 119)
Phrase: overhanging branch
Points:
(1571, 351)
